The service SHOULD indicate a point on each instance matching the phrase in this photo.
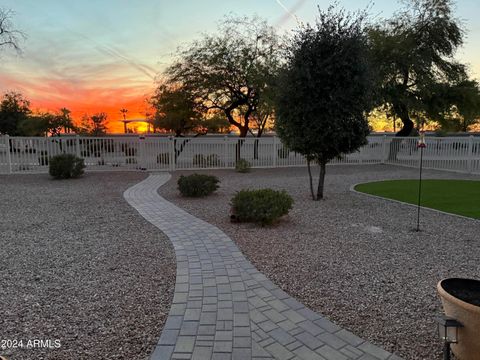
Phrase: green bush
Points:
(198, 160)
(211, 160)
(242, 166)
(262, 206)
(197, 185)
(66, 166)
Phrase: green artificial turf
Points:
(460, 197)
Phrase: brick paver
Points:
(224, 308)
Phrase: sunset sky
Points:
(92, 56)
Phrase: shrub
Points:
(66, 166)
(163, 158)
(198, 160)
(242, 166)
(197, 185)
(262, 206)
(211, 160)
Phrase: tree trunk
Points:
(255, 149)
(311, 179)
(238, 149)
(402, 111)
(243, 131)
(321, 179)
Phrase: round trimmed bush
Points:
(66, 166)
(262, 206)
(197, 185)
(242, 166)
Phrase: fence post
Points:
(274, 151)
(9, 154)
(171, 153)
(384, 148)
(470, 154)
(77, 145)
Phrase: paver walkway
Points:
(224, 308)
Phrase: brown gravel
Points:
(352, 258)
(79, 265)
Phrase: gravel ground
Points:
(79, 265)
(351, 257)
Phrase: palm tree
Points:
(124, 112)
(67, 122)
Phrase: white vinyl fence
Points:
(31, 154)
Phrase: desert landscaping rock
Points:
(79, 265)
(223, 308)
(352, 258)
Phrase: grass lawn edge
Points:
(352, 189)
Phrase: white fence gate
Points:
(31, 154)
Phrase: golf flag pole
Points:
(421, 145)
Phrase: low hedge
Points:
(242, 166)
(197, 185)
(262, 206)
(66, 166)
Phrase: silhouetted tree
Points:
(230, 71)
(457, 107)
(175, 110)
(46, 123)
(95, 125)
(413, 52)
(217, 124)
(9, 37)
(66, 120)
(325, 91)
(14, 110)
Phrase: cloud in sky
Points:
(104, 55)
(290, 12)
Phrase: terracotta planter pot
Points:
(468, 347)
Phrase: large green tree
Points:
(175, 110)
(14, 111)
(413, 53)
(324, 92)
(232, 70)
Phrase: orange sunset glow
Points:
(53, 94)
(92, 57)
